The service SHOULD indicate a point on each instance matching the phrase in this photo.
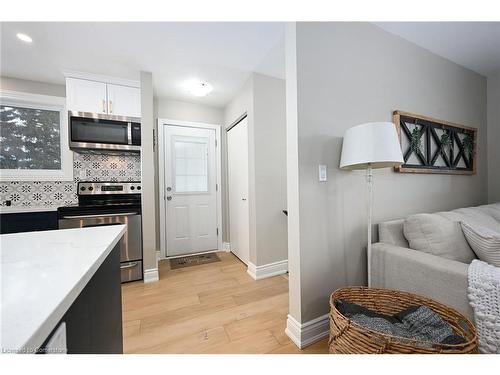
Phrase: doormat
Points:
(193, 260)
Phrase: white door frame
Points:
(162, 122)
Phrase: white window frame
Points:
(44, 102)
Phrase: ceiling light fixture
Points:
(198, 88)
(25, 38)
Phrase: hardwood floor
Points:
(211, 308)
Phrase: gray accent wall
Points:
(348, 74)
(494, 138)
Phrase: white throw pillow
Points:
(484, 241)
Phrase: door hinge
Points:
(216, 187)
(217, 231)
(154, 140)
(216, 143)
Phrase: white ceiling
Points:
(474, 45)
(221, 53)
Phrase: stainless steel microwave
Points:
(91, 131)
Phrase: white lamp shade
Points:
(374, 144)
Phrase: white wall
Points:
(494, 138)
(262, 98)
(34, 87)
(149, 187)
(183, 111)
(347, 74)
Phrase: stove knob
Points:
(138, 187)
(91, 188)
(132, 188)
(82, 188)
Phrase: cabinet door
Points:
(124, 100)
(85, 96)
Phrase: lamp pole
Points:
(369, 181)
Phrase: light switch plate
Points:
(322, 173)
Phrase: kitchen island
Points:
(69, 276)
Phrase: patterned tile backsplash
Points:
(86, 167)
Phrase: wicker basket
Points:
(347, 337)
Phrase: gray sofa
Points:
(427, 254)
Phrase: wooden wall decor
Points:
(435, 146)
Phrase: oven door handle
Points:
(99, 215)
(129, 265)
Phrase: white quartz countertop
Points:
(42, 274)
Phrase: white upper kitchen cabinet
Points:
(102, 95)
(124, 100)
(86, 96)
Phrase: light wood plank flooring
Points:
(211, 308)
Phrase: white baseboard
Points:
(151, 275)
(267, 270)
(226, 246)
(305, 334)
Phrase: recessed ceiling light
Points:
(24, 37)
(198, 88)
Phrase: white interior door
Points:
(190, 196)
(237, 152)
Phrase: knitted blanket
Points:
(484, 297)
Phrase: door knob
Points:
(243, 199)
(169, 188)
(169, 198)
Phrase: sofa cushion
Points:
(491, 209)
(484, 242)
(473, 215)
(391, 232)
(437, 235)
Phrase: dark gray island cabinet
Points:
(68, 288)
(94, 321)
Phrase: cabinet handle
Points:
(104, 106)
(129, 265)
(110, 106)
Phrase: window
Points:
(33, 138)
(191, 166)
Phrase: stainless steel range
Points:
(110, 203)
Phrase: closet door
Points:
(237, 139)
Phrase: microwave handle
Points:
(129, 133)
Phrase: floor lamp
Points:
(369, 146)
